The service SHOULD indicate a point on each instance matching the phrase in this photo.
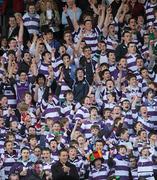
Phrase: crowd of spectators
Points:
(78, 90)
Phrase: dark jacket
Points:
(15, 33)
(80, 88)
(121, 51)
(59, 174)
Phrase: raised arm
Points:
(106, 22)
(101, 10)
(75, 23)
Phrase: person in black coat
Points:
(63, 169)
(121, 49)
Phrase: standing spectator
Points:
(68, 11)
(12, 31)
(9, 157)
(62, 169)
(31, 20)
(50, 17)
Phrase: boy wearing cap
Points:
(98, 170)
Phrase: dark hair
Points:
(99, 141)
(11, 52)
(149, 90)
(139, 133)
(87, 21)
(48, 31)
(125, 32)
(25, 148)
(122, 131)
(40, 76)
(7, 142)
(130, 76)
(121, 146)
(72, 147)
(86, 47)
(46, 149)
(62, 150)
(32, 137)
(143, 69)
(65, 55)
(44, 53)
(72, 142)
(68, 92)
(53, 140)
(95, 126)
(111, 51)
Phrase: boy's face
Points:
(46, 155)
(67, 37)
(125, 136)
(47, 57)
(87, 53)
(109, 85)
(94, 131)
(72, 153)
(41, 81)
(139, 63)
(99, 146)
(9, 147)
(69, 97)
(14, 125)
(49, 35)
(37, 152)
(133, 81)
(146, 39)
(138, 127)
(103, 46)
(145, 152)
(143, 136)
(132, 48)
(153, 137)
(49, 122)
(126, 105)
(132, 24)
(98, 163)
(11, 138)
(25, 154)
(33, 141)
(106, 75)
(81, 140)
(143, 111)
(88, 25)
(53, 145)
(112, 58)
(32, 9)
(123, 63)
(94, 113)
(117, 111)
(23, 77)
(56, 127)
(132, 162)
(122, 151)
(66, 60)
(110, 97)
(62, 50)
(150, 95)
(111, 29)
(107, 113)
(144, 73)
